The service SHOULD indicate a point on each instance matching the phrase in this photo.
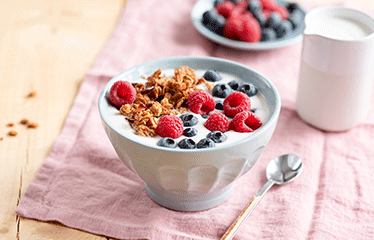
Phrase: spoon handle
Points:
(231, 231)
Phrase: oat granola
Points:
(160, 96)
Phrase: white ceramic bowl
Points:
(185, 179)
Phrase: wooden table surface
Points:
(46, 47)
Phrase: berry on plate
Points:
(245, 122)
(170, 126)
(235, 103)
(214, 21)
(268, 34)
(225, 8)
(217, 122)
(251, 29)
(121, 93)
(200, 102)
(232, 28)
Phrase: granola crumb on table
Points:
(160, 96)
(12, 133)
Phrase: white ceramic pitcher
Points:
(337, 68)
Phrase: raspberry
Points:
(121, 93)
(235, 103)
(282, 10)
(225, 8)
(268, 4)
(245, 122)
(232, 27)
(170, 126)
(200, 102)
(251, 31)
(217, 122)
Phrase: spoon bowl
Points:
(284, 169)
(280, 170)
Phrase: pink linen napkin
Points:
(82, 184)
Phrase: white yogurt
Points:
(257, 102)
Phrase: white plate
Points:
(203, 5)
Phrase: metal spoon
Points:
(280, 170)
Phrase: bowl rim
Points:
(272, 118)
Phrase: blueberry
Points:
(217, 136)
(212, 76)
(219, 104)
(249, 89)
(261, 18)
(217, 2)
(291, 7)
(254, 6)
(188, 119)
(296, 18)
(205, 116)
(268, 34)
(274, 20)
(187, 143)
(167, 142)
(234, 84)
(190, 132)
(283, 29)
(213, 21)
(221, 90)
(206, 143)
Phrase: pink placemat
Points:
(83, 184)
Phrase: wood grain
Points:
(47, 46)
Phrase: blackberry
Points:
(212, 76)
(187, 143)
(190, 132)
(167, 142)
(234, 84)
(221, 90)
(249, 89)
(188, 119)
(217, 136)
(219, 104)
(206, 143)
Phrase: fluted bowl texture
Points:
(191, 179)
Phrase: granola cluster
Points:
(160, 96)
